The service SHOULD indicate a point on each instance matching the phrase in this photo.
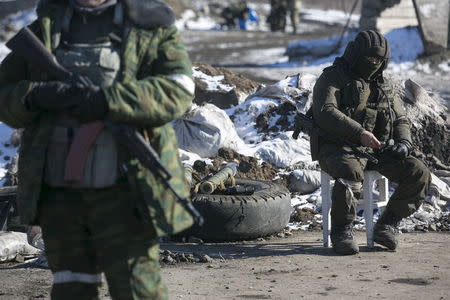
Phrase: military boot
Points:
(385, 231)
(342, 238)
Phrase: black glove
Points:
(90, 105)
(399, 150)
(50, 95)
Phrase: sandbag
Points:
(13, 244)
(304, 181)
(205, 129)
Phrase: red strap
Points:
(79, 150)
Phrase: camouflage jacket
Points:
(345, 107)
(150, 95)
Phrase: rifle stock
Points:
(27, 45)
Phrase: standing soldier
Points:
(293, 7)
(108, 219)
(234, 12)
(277, 16)
(354, 101)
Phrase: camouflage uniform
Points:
(112, 230)
(232, 12)
(277, 16)
(293, 8)
(345, 105)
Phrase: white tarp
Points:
(304, 181)
(13, 244)
(205, 129)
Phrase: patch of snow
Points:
(332, 17)
(445, 66)
(284, 151)
(244, 117)
(4, 51)
(7, 152)
(214, 82)
(189, 20)
(21, 19)
(406, 45)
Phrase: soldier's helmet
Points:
(369, 43)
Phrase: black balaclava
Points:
(368, 43)
(92, 10)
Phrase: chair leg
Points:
(326, 206)
(383, 186)
(368, 207)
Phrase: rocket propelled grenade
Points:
(220, 178)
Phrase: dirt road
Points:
(297, 267)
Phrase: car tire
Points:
(237, 217)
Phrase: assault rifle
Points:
(305, 123)
(27, 45)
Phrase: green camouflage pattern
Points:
(145, 96)
(336, 98)
(125, 250)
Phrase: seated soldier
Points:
(352, 100)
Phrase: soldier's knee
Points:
(418, 171)
(349, 172)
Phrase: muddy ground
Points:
(295, 267)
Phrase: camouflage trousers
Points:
(411, 175)
(293, 8)
(90, 232)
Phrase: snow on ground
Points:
(20, 19)
(3, 51)
(406, 46)
(189, 20)
(7, 152)
(331, 17)
(280, 149)
(214, 82)
(198, 21)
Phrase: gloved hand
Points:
(90, 104)
(399, 150)
(50, 95)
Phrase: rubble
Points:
(167, 257)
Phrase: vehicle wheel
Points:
(237, 217)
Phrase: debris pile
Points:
(265, 120)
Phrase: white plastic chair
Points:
(370, 177)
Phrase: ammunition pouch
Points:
(101, 167)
